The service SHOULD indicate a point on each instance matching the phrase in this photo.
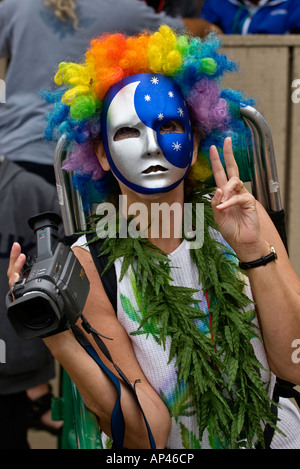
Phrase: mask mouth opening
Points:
(154, 169)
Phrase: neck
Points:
(158, 216)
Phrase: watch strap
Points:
(264, 260)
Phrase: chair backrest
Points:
(265, 185)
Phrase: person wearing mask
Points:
(200, 325)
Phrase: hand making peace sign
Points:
(233, 206)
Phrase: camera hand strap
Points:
(117, 418)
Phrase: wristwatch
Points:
(259, 262)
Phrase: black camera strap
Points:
(117, 418)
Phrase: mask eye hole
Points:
(172, 127)
(126, 132)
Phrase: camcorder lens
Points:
(36, 314)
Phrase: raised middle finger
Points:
(230, 163)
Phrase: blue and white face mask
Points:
(146, 132)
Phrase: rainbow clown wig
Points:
(193, 63)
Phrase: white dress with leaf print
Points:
(162, 375)
(154, 359)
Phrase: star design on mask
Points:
(147, 97)
(180, 111)
(160, 116)
(154, 80)
(171, 94)
(176, 146)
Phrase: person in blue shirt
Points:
(253, 16)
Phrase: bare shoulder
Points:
(85, 258)
(98, 308)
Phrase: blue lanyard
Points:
(117, 418)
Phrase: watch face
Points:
(146, 133)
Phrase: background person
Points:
(35, 36)
(174, 7)
(253, 16)
(25, 395)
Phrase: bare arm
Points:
(276, 288)
(95, 387)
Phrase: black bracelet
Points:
(259, 262)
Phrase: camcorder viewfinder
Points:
(51, 293)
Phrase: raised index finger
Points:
(217, 167)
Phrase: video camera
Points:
(51, 294)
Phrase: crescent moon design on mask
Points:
(138, 161)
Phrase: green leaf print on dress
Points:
(180, 403)
(150, 327)
(189, 439)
